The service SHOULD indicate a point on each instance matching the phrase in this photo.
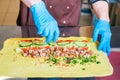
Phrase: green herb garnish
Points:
(82, 63)
(50, 65)
(67, 60)
(98, 62)
(83, 68)
(86, 60)
(74, 61)
(93, 59)
(54, 60)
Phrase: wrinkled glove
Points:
(103, 28)
(45, 23)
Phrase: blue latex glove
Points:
(45, 23)
(103, 28)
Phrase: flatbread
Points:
(15, 65)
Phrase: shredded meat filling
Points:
(56, 51)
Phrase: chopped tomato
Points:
(38, 40)
(69, 41)
(26, 41)
(40, 47)
(84, 40)
(47, 47)
(56, 56)
(64, 41)
(34, 48)
(85, 48)
(72, 48)
(59, 41)
(29, 48)
(24, 49)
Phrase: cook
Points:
(54, 18)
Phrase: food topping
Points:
(65, 51)
(56, 51)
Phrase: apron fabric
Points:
(66, 13)
(31, 31)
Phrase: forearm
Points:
(29, 3)
(101, 10)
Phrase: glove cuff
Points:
(103, 21)
(40, 5)
(38, 8)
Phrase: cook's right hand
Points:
(46, 25)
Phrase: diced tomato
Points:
(26, 41)
(34, 48)
(47, 47)
(59, 41)
(72, 48)
(40, 47)
(69, 41)
(33, 56)
(56, 48)
(56, 56)
(84, 40)
(24, 49)
(64, 41)
(29, 48)
(38, 40)
(85, 48)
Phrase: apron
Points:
(66, 13)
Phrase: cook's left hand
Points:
(102, 28)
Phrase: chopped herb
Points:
(93, 59)
(50, 65)
(67, 60)
(98, 62)
(47, 61)
(83, 68)
(86, 60)
(80, 57)
(54, 60)
(94, 56)
(74, 61)
(82, 63)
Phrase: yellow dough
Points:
(15, 65)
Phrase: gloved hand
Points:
(45, 23)
(102, 28)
